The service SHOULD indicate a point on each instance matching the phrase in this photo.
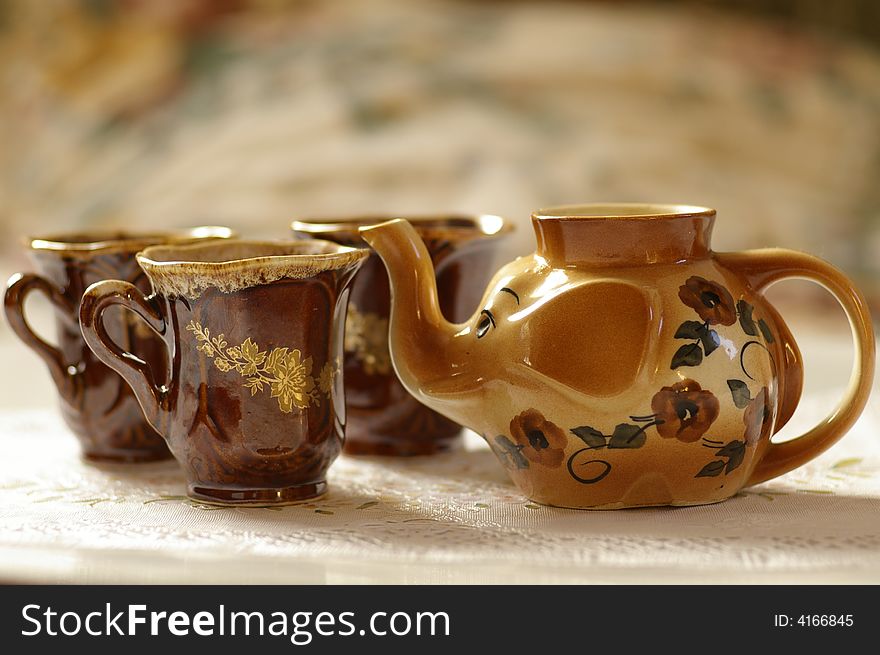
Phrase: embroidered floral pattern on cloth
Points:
(454, 516)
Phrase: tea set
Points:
(622, 364)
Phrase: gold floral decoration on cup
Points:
(325, 378)
(366, 335)
(284, 371)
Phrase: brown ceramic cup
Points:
(252, 405)
(383, 418)
(95, 402)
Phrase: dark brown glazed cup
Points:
(252, 405)
(95, 402)
(383, 418)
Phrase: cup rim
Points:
(174, 275)
(635, 211)
(453, 223)
(109, 239)
(332, 252)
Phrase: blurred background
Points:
(156, 113)
(249, 113)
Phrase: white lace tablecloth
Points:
(453, 518)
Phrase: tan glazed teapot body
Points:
(624, 363)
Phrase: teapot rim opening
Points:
(622, 211)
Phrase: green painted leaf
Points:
(627, 436)
(688, 355)
(690, 330)
(711, 470)
(740, 392)
(746, 322)
(710, 340)
(508, 452)
(765, 330)
(844, 463)
(735, 458)
(731, 448)
(590, 436)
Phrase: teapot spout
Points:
(421, 340)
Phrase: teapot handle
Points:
(135, 371)
(762, 269)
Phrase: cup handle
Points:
(136, 372)
(765, 267)
(17, 290)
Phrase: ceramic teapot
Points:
(624, 363)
